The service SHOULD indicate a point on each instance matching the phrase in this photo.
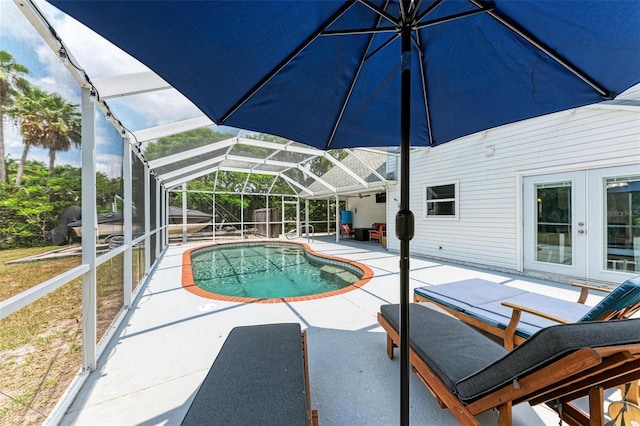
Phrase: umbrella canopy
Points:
(336, 74)
(327, 73)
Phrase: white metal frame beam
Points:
(316, 177)
(378, 175)
(173, 128)
(130, 84)
(196, 152)
(194, 169)
(345, 169)
(89, 233)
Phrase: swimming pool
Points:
(268, 272)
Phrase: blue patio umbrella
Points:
(338, 74)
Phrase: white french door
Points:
(555, 224)
(584, 224)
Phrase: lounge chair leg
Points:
(390, 346)
(596, 405)
(505, 414)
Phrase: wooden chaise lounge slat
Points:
(260, 376)
(469, 373)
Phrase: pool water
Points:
(266, 271)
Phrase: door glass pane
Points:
(553, 222)
(623, 224)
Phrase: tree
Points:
(10, 80)
(27, 111)
(183, 142)
(29, 211)
(64, 120)
(45, 120)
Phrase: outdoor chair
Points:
(469, 373)
(514, 315)
(260, 376)
(377, 233)
(346, 229)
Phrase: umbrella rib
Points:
(547, 50)
(380, 12)
(444, 19)
(285, 62)
(404, 6)
(385, 44)
(415, 10)
(429, 10)
(355, 31)
(353, 83)
(423, 74)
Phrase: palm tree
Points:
(64, 120)
(10, 80)
(28, 111)
(47, 121)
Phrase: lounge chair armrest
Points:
(584, 291)
(528, 310)
(510, 330)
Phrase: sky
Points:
(98, 58)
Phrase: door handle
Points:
(581, 231)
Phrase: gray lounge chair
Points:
(260, 377)
(514, 315)
(469, 373)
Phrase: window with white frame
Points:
(441, 201)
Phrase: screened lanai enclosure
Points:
(266, 186)
(140, 167)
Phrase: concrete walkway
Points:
(154, 365)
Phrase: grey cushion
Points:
(530, 324)
(257, 378)
(543, 348)
(471, 292)
(451, 348)
(482, 299)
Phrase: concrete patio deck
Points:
(154, 365)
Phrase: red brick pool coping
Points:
(189, 284)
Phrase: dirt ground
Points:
(41, 344)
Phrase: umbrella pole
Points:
(404, 222)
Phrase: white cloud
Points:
(100, 58)
(17, 25)
(109, 164)
(97, 56)
(12, 140)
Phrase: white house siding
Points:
(366, 211)
(486, 232)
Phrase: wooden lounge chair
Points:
(468, 373)
(260, 376)
(514, 315)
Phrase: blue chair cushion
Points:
(627, 294)
(530, 324)
(483, 299)
(460, 294)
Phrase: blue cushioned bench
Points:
(260, 376)
(469, 373)
(514, 315)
